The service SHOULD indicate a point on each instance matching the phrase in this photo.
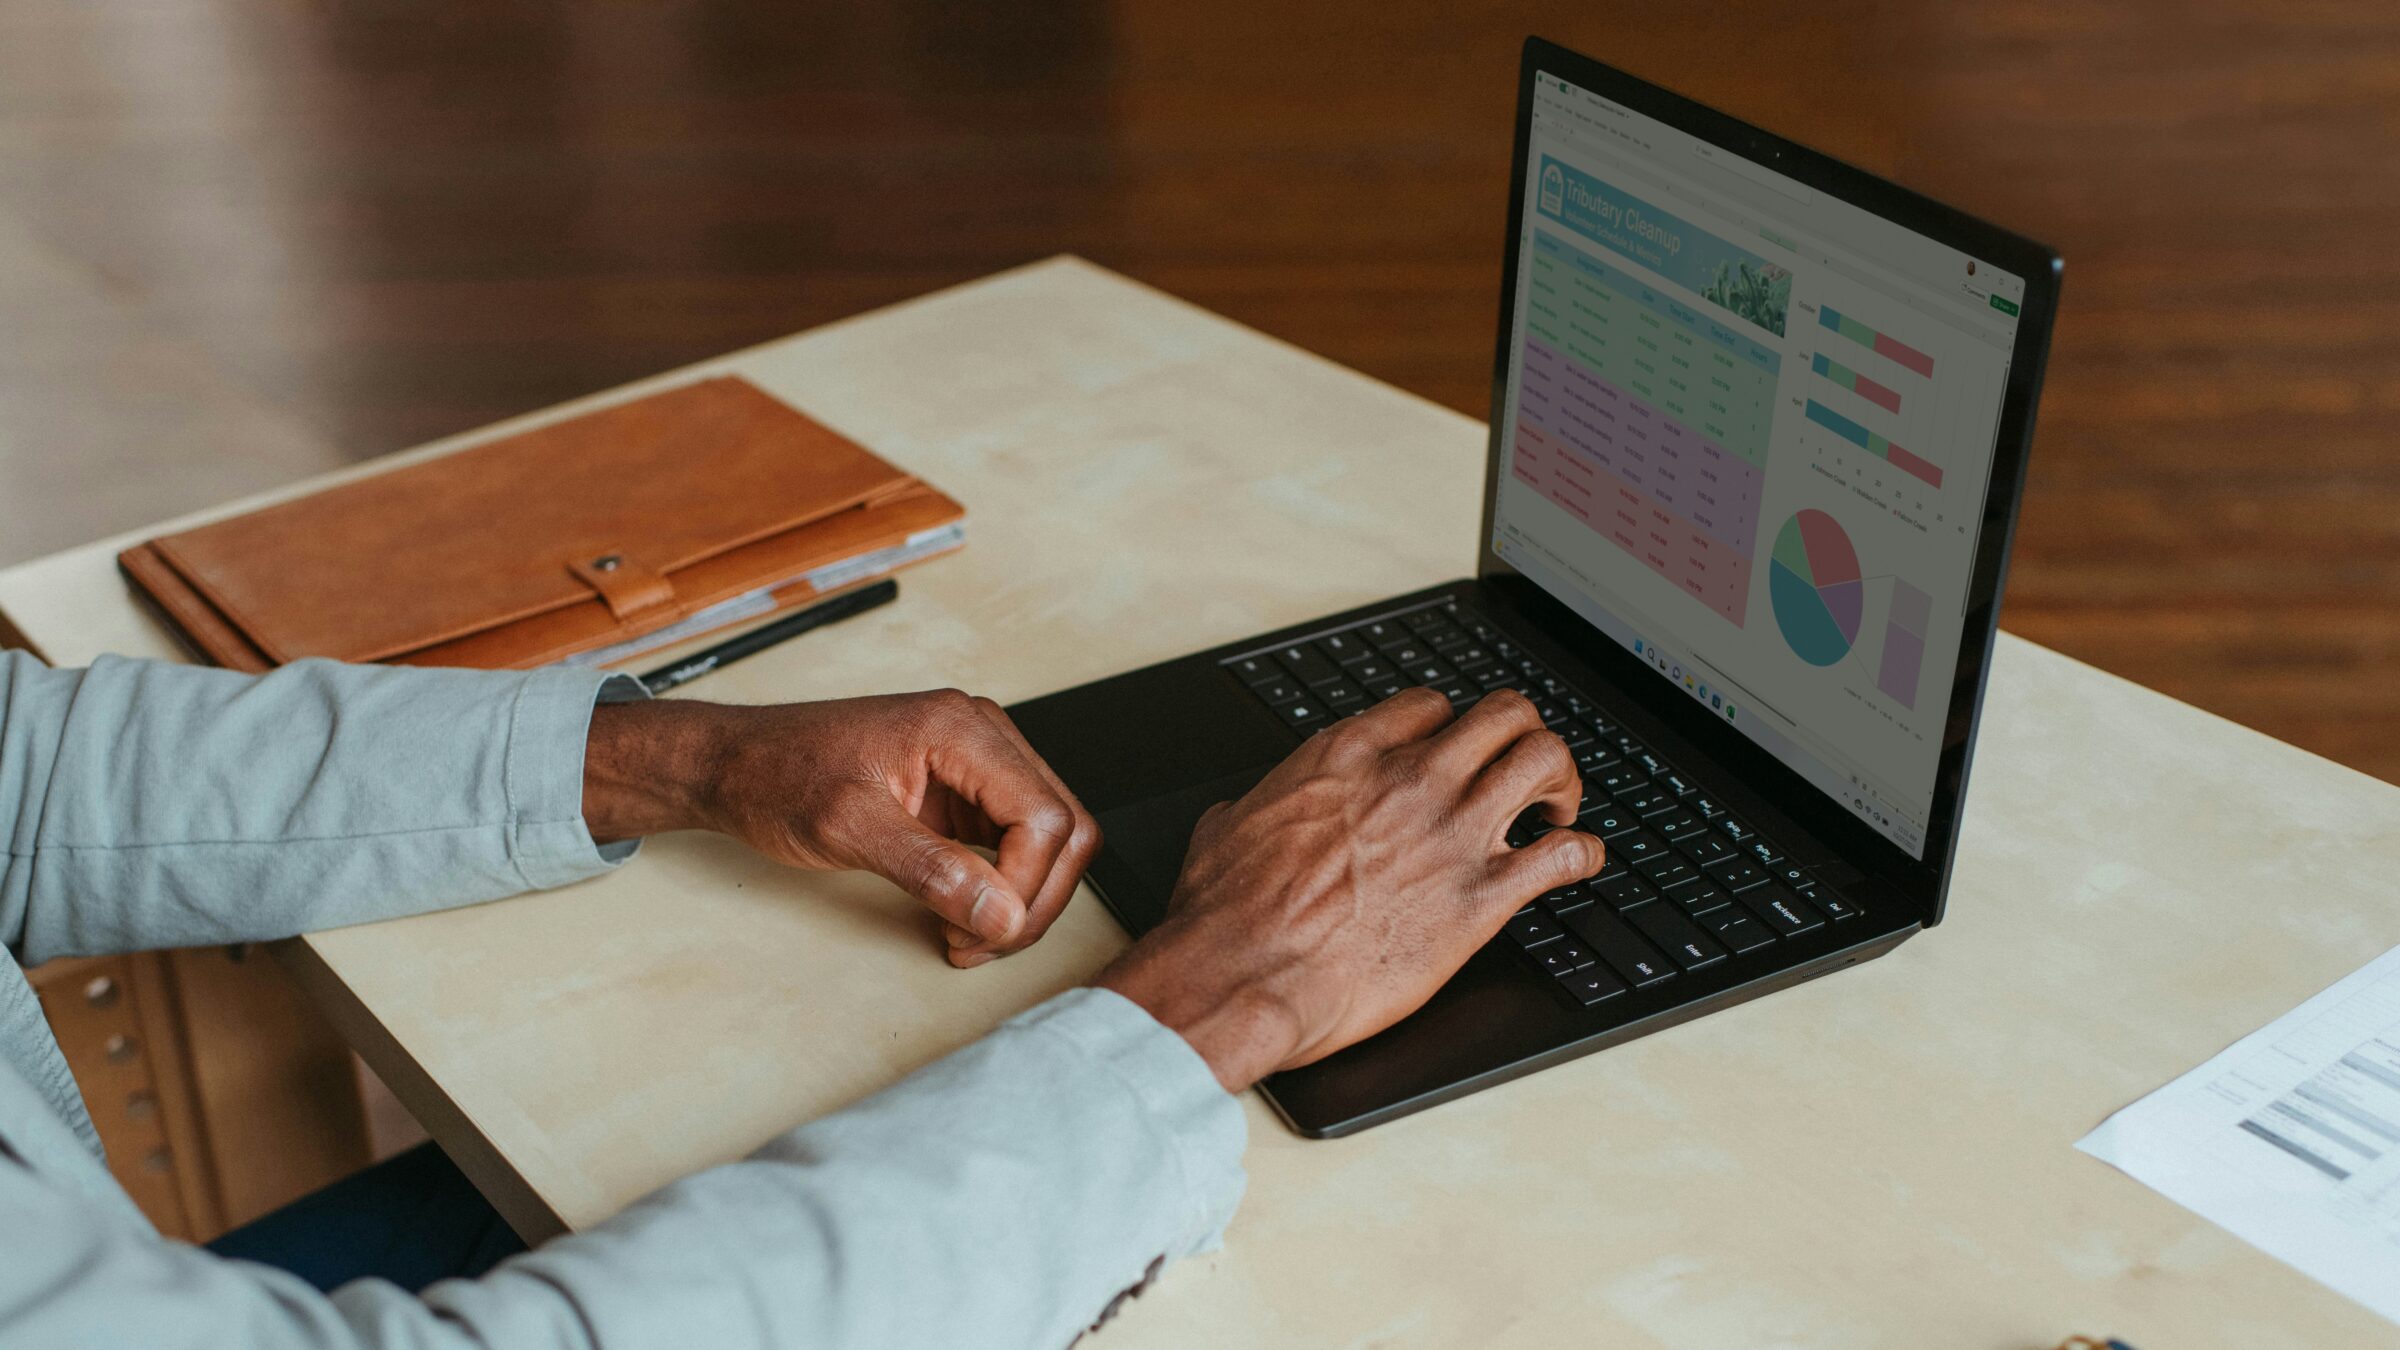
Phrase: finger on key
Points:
(1538, 770)
(1483, 733)
(1410, 715)
(1559, 858)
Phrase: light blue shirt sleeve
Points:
(1002, 1196)
(150, 805)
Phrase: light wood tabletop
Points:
(1882, 1159)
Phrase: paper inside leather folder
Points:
(590, 540)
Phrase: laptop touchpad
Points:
(1149, 839)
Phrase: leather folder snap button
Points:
(629, 589)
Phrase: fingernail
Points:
(978, 959)
(995, 914)
(958, 937)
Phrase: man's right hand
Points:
(1341, 892)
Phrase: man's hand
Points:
(897, 785)
(1347, 886)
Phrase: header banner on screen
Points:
(1730, 277)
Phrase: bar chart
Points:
(1874, 341)
(1844, 377)
(1874, 389)
(1874, 444)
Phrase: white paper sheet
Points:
(2290, 1139)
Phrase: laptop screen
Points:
(1748, 431)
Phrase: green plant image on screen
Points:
(1760, 294)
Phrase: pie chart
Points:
(1813, 584)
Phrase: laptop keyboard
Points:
(1688, 884)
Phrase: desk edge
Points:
(527, 1212)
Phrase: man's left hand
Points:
(899, 785)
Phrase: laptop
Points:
(1759, 428)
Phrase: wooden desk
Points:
(1877, 1159)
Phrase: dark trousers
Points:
(412, 1219)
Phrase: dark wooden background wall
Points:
(243, 239)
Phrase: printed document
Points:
(2291, 1138)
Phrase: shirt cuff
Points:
(548, 729)
(1201, 1124)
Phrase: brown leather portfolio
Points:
(593, 539)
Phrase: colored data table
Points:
(1646, 420)
(1881, 1159)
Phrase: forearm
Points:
(1001, 1197)
(648, 768)
(156, 805)
(1241, 1033)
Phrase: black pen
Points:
(764, 636)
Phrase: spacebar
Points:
(1617, 945)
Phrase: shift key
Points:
(1665, 925)
(1618, 947)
